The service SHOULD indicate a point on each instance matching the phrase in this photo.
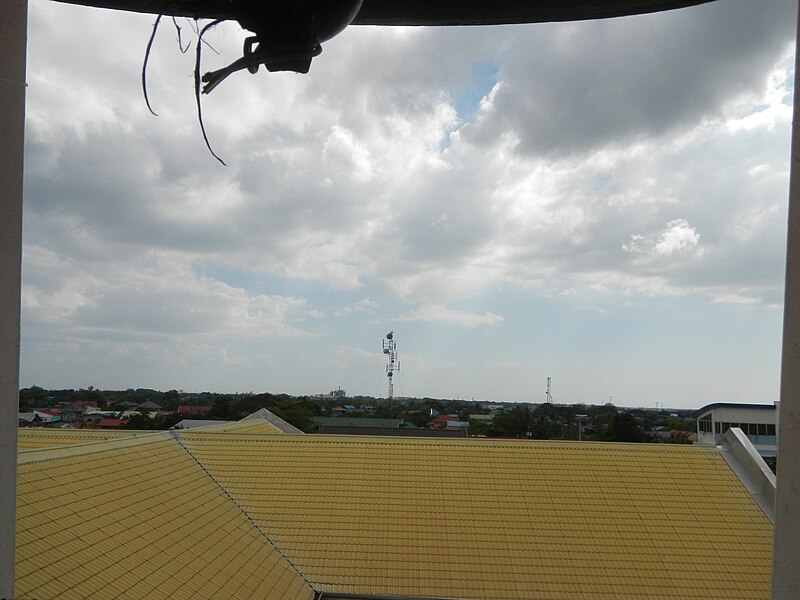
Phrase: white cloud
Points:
(155, 295)
(677, 236)
(437, 313)
(365, 306)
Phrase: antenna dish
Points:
(392, 362)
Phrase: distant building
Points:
(442, 421)
(193, 409)
(27, 419)
(82, 403)
(48, 415)
(482, 418)
(757, 421)
(149, 405)
(342, 421)
(337, 394)
(380, 427)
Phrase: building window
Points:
(704, 423)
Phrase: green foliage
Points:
(513, 422)
(142, 421)
(32, 397)
(418, 418)
(221, 409)
(624, 428)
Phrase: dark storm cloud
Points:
(569, 88)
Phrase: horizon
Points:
(323, 397)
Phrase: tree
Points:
(624, 428)
(514, 422)
(222, 407)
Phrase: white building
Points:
(758, 422)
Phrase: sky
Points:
(602, 203)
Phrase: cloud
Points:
(365, 306)
(435, 313)
(570, 88)
(677, 236)
(642, 157)
(153, 296)
(345, 179)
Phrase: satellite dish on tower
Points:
(392, 362)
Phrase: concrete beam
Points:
(786, 552)
(13, 36)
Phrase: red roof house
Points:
(82, 403)
(190, 409)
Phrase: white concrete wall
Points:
(745, 415)
(786, 551)
(13, 33)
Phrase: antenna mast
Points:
(549, 396)
(392, 362)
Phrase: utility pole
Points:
(580, 425)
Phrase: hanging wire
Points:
(180, 41)
(149, 48)
(197, 85)
(144, 64)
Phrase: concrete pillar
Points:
(13, 35)
(786, 550)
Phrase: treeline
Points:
(225, 407)
(509, 420)
(549, 421)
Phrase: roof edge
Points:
(55, 452)
(708, 407)
(346, 596)
(756, 476)
(506, 12)
(273, 419)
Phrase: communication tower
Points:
(392, 362)
(549, 397)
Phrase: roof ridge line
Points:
(175, 434)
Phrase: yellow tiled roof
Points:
(202, 513)
(252, 426)
(139, 519)
(31, 438)
(489, 519)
